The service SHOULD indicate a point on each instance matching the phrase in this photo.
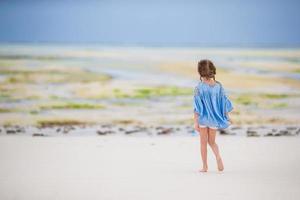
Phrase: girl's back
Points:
(212, 105)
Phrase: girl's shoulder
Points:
(196, 89)
(221, 89)
(219, 83)
(199, 85)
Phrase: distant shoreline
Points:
(160, 45)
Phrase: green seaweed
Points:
(293, 59)
(244, 100)
(274, 96)
(296, 71)
(71, 105)
(161, 91)
(63, 122)
(4, 96)
(52, 76)
(119, 94)
(34, 112)
(5, 110)
(279, 105)
(148, 92)
(5, 63)
(256, 99)
(126, 121)
(54, 97)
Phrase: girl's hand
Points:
(230, 120)
(196, 127)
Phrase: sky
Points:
(156, 22)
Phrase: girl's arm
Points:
(228, 105)
(196, 124)
(227, 114)
(197, 109)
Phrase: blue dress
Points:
(211, 104)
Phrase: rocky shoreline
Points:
(108, 129)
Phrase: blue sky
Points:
(191, 22)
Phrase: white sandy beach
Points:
(147, 167)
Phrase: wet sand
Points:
(147, 167)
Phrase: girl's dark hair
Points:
(206, 69)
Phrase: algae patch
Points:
(72, 105)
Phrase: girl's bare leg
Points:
(212, 143)
(203, 142)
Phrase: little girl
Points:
(211, 108)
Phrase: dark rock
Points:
(177, 129)
(58, 129)
(284, 132)
(269, 134)
(223, 132)
(226, 132)
(277, 134)
(132, 131)
(110, 131)
(252, 133)
(38, 134)
(66, 130)
(121, 129)
(106, 126)
(291, 128)
(20, 129)
(159, 128)
(9, 131)
(141, 128)
(165, 131)
(99, 132)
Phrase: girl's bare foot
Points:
(204, 169)
(220, 164)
